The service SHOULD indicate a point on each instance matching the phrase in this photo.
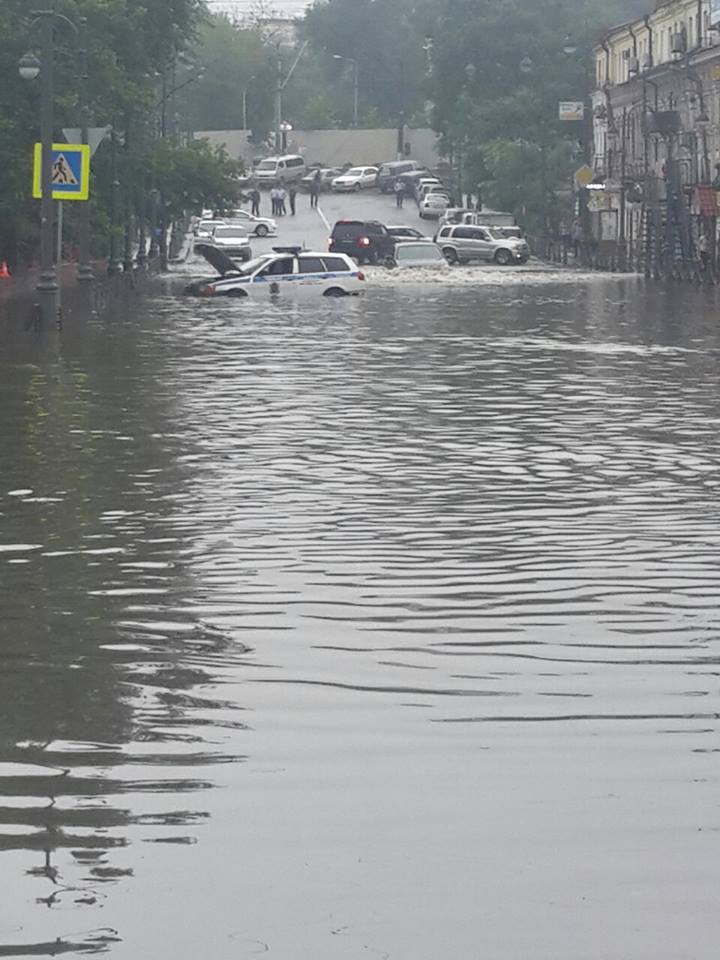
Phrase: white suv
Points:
(465, 243)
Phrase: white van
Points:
(287, 169)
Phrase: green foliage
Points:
(386, 39)
(194, 177)
(232, 61)
(133, 51)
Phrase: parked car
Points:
(285, 169)
(204, 228)
(357, 178)
(286, 271)
(399, 233)
(433, 204)
(423, 185)
(232, 240)
(327, 175)
(462, 244)
(388, 173)
(367, 240)
(409, 180)
(479, 218)
(259, 226)
(410, 254)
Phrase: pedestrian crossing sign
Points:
(70, 171)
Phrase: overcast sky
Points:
(243, 7)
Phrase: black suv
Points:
(366, 240)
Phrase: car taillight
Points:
(364, 241)
(331, 242)
(361, 275)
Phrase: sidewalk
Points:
(23, 283)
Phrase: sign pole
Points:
(58, 257)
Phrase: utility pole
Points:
(281, 84)
(47, 283)
(279, 87)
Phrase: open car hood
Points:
(217, 259)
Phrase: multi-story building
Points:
(656, 116)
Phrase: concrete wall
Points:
(334, 147)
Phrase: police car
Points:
(285, 271)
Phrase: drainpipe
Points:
(634, 40)
(651, 46)
(700, 12)
(606, 48)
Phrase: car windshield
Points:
(418, 251)
(504, 233)
(229, 232)
(267, 165)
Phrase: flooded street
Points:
(372, 628)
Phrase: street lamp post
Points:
(30, 68)
(337, 56)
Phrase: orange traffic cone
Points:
(4, 272)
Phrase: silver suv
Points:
(464, 243)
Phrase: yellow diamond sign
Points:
(584, 175)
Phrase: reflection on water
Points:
(253, 556)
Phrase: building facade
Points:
(656, 135)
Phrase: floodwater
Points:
(385, 628)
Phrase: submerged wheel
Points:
(450, 255)
(503, 257)
(334, 292)
(237, 294)
(261, 230)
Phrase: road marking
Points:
(323, 218)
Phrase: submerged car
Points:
(286, 271)
(259, 226)
(400, 232)
(413, 254)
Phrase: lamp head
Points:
(29, 67)
(526, 65)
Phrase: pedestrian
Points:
(469, 204)
(478, 201)
(577, 236)
(315, 189)
(399, 194)
(275, 200)
(255, 200)
(282, 196)
(292, 195)
(703, 249)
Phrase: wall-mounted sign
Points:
(572, 109)
(714, 13)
